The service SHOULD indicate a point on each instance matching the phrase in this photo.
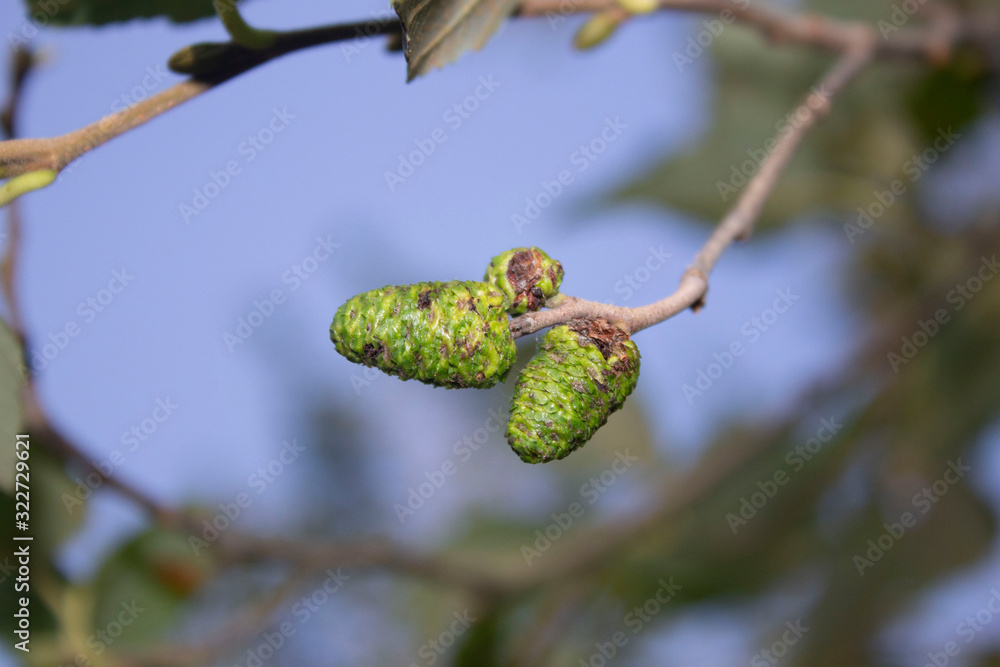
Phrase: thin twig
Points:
(736, 225)
(801, 27)
(21, 156)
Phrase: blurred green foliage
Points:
(902, 425)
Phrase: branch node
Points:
(522, 325)
(694, 274)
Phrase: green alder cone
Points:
(450, 334)
(527, 276)
(583, 372)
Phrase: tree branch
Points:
(809, 28)
(213, 64)
(736, 225)
(209, 64)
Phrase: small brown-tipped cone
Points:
(527, 276)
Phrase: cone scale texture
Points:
(582, 373)
(449, 334)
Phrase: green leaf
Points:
(439, 31)
(42, 618)
(50, 525)
(11, 409)
(99, 12)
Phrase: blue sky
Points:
(303, 146)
